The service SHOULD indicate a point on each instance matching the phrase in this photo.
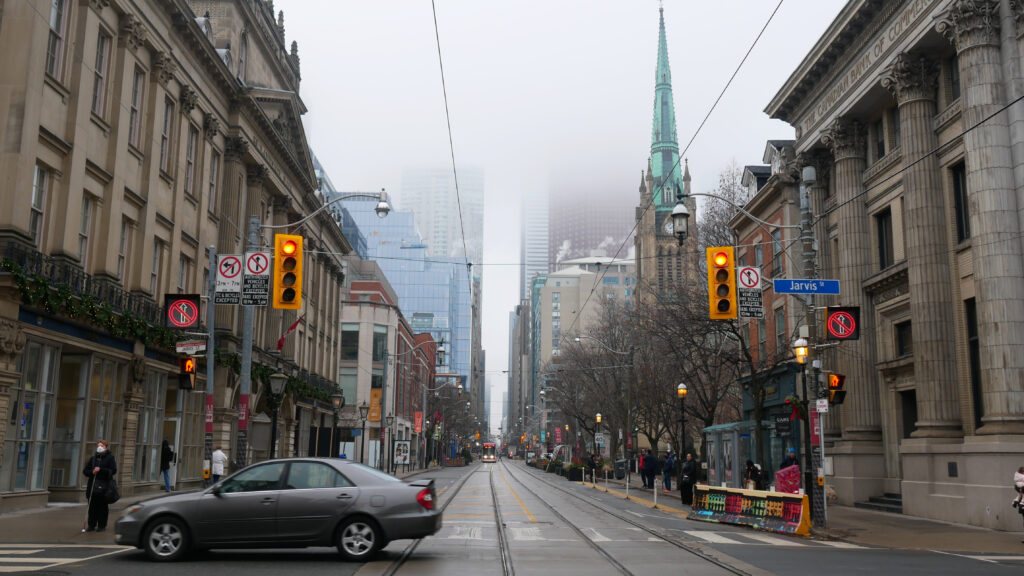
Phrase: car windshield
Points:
(375, 473)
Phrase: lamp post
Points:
(364, 410)
(599, 445)
(681, 394)
(800, 351)
(277, 383)
(389, 420)
(338, 402)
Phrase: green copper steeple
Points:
(664, 146)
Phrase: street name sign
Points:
(256, 279)
(812, 286)
(228, 289)
(190, 347)
(748, 292)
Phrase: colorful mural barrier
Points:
(773, 511)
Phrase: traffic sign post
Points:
(229, 279)
(256, 279)
(181, 311)
(748, 292)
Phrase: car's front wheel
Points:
(166, 539)
(359, 538)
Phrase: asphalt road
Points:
(547, 526)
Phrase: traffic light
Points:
(836, 394)
(721, 283)
(287, 271)
(187, 377)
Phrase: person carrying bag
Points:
(102, 486)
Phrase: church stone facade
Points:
(903, 107)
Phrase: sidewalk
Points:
(868, 527)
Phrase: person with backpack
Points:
(667, 469)
(752, 476)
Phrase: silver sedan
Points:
(286, 503)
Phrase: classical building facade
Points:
(903, 108)
(137, 134)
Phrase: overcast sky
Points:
(540, 92)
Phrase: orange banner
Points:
(374, 405)
(418, 420)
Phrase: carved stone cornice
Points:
(911, 78)
(132, 32)
(188, 99)
(211, 126)
(255, 174)
(847, 138)
(1017, 8)
(970, 23)
(235, 148)
(165, 67)
(12, 343)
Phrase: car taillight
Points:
(426, 499)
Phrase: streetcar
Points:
(490, 453)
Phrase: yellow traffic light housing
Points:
(836, 394)
(187, 377)
(721, 283)
(287, 272)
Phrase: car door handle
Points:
(267, 501)
(344, 496)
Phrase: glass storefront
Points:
(28, 428)
(148, 438)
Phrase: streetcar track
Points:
(506, 556)
(660, 534)
(579, 532)
(404, 557)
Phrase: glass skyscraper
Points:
(433, 291)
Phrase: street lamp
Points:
(680, 216)
(277, 384)
(338, 402)
(389, 420)
(681, 394)
(364, 410)
(800, 351)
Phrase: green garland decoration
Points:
(261, 374)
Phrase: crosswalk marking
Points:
(773, 540)
(22, 551)
(466, 533)
(846, 545)
(713, 537)
(596, 536)
(526, 533)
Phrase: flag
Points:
(280, 341)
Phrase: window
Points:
(99, 73)
(974, 354)
(963, 216)
(904, 339)
(190, 159)
(148, 435)
(350, 341)
(556, 324)
(185, 274)
(879, 132)
(762, 338)
(953, 66)
(555, 342)
(610, 280)
(777, 253)
(311, 475)
(555, 296)
(55, 46)
(158, 257)
(165, 135)
(214, 178)
(780, 330)
(380, 343)
(106, 400)
(35, 222)
(377, 379)
(758, 255)
(122, 249)
(883, 225)
(135, 113)
(556, 305)
(85, 226)
(257, 479)
(27, 443)
(894, 122)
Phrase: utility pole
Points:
(383, 406)
(812, 461)
(245, 378)
(210, 361)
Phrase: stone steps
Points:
(888, 502)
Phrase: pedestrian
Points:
(651, 468)
(687, 478)
(1018, 483)
(667, 469)
(641, 468)
(166, 457)
(100, 469)
(752, 476)
(791, 459)
(217, 461)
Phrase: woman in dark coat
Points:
(166, 457)
(100, 469)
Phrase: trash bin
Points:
(620, 469)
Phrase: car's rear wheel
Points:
(359, 538)
(165, 539)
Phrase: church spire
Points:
(664, 145)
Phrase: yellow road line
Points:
(518, 499)
(470, 515)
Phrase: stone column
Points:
(861, 413)
(913, 81)
(973, 27)
(130, 430)
(12, 343)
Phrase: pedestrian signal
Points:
(836, 394)
(287, 271)
(187, 376)
(721, 283)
